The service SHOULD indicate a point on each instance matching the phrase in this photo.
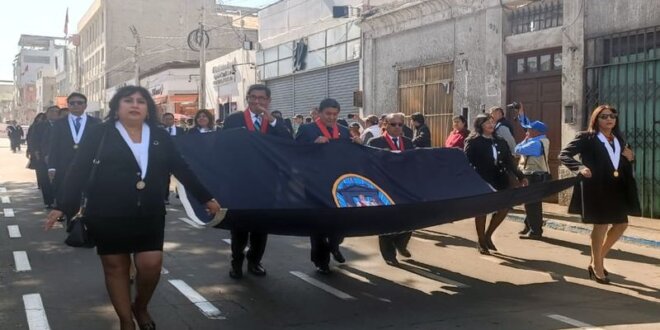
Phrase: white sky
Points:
(46, 17)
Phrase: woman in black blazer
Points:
(125, 211)
(204, 122)
(608, 193)
(491, 158)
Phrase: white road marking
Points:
(429, 274)
(377, 298)
(3, 190)
(337, 293)
(354, 276)
(9, 213)
(492, 259)
(6, 200)
(573, 322)
(227, 240)
(35, 312)
(21, 261)
(191, 223)
(425, 240)
(14, 232)
(164, 271)
(204, 305)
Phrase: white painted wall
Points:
(245, 75)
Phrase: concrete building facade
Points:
(560, 58)
(160, 31)
(172, 86)
(227, 79)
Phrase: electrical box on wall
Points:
(569, 114)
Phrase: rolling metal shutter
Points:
(310, 89)
(343, 81)
(281, 95)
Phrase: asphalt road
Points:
(445, 285)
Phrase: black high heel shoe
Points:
(593, 276)
(483, 249)
(149, 325)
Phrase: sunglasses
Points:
(608, 115)
(76, 102)
(396, 124)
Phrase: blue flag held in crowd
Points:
(274, 185)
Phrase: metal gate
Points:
(623, 70)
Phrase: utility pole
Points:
(201, 99)
(136, 53)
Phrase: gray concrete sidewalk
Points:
(641, 231)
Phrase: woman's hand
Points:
(212, 207)
(52, 218)
(586, 172)
(628, 153)
(524, 182)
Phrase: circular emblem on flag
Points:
(352, 190)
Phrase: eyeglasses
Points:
(76, 102)
(396, 124)
(607, 115)
(257, 98)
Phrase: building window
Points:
(428, 89)
(536, 63)
(536, 16)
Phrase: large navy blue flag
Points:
(279, 186)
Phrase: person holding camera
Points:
(534, 165)
(503, 127)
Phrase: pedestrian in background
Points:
(204, 122)
(371, 129)
(422, 133)
(15, 134)
(456, 138)
(491, 158)
(533, 151)
(38, 147)
(503, 127)
(608, 192)
(125, 213)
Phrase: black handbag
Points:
(76, 227)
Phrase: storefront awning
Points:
(160, 99)
(183, 98)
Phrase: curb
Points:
(579, 228)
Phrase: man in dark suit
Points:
(38, 144)
(422, 135)
(393, 140)
(173, 130)
(15, 134)
(65, 137)
(256, 118)
(323, 130)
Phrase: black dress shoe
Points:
(392, 262)
(323, 269)
(236, 273)
(404, 252)
(536, 237)
(256, 269)
(338, 257)
(524, 231)
(483, 249)
(490, 245)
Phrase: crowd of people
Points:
(134, 154)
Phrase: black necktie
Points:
(396, 142)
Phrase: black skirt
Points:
(126, 235)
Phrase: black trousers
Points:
(322, 246)
(167, 188)
(534, 211)
(47, 189)
(390, 243)
(15, 144)
(239, 241)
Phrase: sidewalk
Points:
(641, 231)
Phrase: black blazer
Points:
(114, 192)
(237, 120)
(381, 143)
(195, 130)
(60, 150)
(38, 140)
(422, 137)
(310, 132)
(479, 152)
(602, 191)
(179, 130)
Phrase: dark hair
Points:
(52, 107)
(308, 120)
(39, 117)
(258, 87)
(208, 114)
(418, 117)
(152, 112)
(372, 120)
(354, 125)
(593, 121)
(461, 118)
(480, 120)
(168, 114)
(329, 103)
(276, 112)
(76, 94)
(299, 116)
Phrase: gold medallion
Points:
(616, 174)
(140, 185)
(75, 146)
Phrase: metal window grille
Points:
(535, 17)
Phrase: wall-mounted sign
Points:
(299, 55)
(157, 90)
(223, 74)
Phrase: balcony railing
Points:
(537, 16)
